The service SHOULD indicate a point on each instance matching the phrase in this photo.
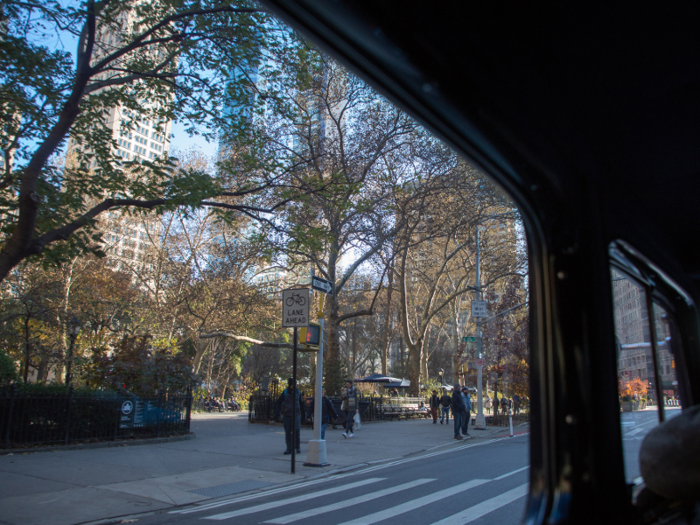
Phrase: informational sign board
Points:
(322, 285)
(132, 414)
(479, 308)
(295, 307)
(478, 362)
(469, 339)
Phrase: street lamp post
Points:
(480, 420)
(73, 331)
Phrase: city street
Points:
(480, 482)
(635, 426)
(228, 458)
(235, 472)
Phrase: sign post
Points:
(322, 285)
(295, 313)
(479, 311)
(316, 456)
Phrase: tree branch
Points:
(246, 339)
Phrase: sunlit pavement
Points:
(229, 455)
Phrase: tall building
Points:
(137, 136)
(633, 333)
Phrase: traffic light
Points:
(310, 336)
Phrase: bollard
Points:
(510, 420)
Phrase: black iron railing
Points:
(28, 419)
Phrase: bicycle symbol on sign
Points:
(296, 298)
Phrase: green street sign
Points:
(469, 339)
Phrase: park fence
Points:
(35, 419)
(262, 409)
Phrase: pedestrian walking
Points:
(487, 404)
(328, 413)
(504, 405)
(467, 411)
(285, 403)
(434, 404)
(445, 401)
(516, 404)
(457, 410)
(350, 407)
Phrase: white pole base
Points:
(510, 418)
(316, 457)
(480, 422)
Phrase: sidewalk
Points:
(228, 456)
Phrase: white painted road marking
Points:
(502, 476)
(348, 503)
(416, 503)
(287, 488)
(485, 507)
(298, 499)
(271, 492)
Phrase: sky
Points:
(181, 141)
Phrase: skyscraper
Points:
(137, 136)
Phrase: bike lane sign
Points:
(295, 307)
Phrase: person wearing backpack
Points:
(290, 395)
(445, 401)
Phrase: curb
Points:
(101, 444)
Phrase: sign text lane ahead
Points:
(295, 307)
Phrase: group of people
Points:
(215, 403)
(505, 403)
(461, 405)
(292, 429)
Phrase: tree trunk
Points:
(27, 350)
(201, 350)
(415, 353)
(387, 324)
(424, 375)
(43, 370)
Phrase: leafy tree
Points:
(8, 370)
(161, 60)
(141, 366)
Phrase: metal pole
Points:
(480, 421)
(510, 419)
(69, 364)
(294, 400)
(654, 354)
(316, 456)
(318, 407)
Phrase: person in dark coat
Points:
(434, 404)
(457, 410)
(328, 413)
(445, 401)
(284, 404)
(350, 406)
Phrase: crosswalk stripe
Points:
(416, 503)
(635, 431)
(271, 492)
(502, 476)
(485, 507)
(282, 502)
(348, 503)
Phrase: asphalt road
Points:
(635, 427)
(472, 482)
